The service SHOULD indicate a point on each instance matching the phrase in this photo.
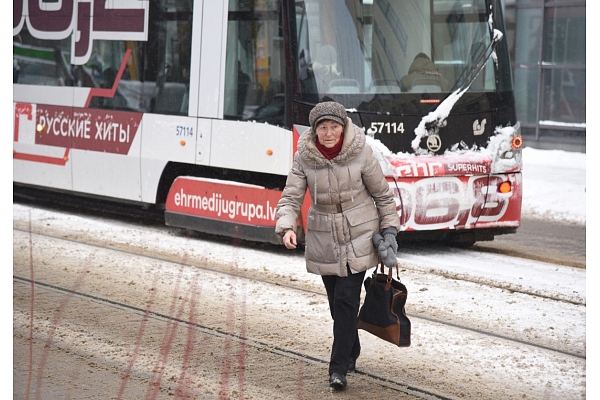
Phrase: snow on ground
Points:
(554, 187)
(456, 295)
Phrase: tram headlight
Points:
(511, 148)
(516, 142)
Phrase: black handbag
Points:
(382, 313)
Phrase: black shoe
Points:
(337, 380)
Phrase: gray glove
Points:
(387, 246)
(389, 235)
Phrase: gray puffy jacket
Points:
(351, 201)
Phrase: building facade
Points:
(547, 40)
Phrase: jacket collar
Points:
(354, 141)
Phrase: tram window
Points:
(356, 49)
(168, 56)
(41, 62)
(463, 43)
(254, 67)
(156, 74)
(332, 51)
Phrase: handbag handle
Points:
(389, 273)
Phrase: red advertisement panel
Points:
(441, 166)
(457, 202)
(86, 129)
(231, 202)
(465, 202)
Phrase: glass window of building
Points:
(549, 64)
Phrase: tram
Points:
(194, 107)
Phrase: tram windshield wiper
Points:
(468, 76)
(431, 123)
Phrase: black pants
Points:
(344, 301)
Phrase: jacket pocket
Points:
(320, 246)
(363, 223)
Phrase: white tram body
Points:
(196, 106)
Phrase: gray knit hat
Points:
(327, 110)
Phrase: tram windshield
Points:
(386, 47)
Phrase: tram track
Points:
(444, 274)
(395, 385)
(117, 261)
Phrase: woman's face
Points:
(329, 133)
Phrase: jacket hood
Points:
(421, 63)
(354, 142)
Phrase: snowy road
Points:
(127, 311)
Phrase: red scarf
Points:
(331, 153)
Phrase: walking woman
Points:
(351, 203)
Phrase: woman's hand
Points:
(289, 239)
(387, 246)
